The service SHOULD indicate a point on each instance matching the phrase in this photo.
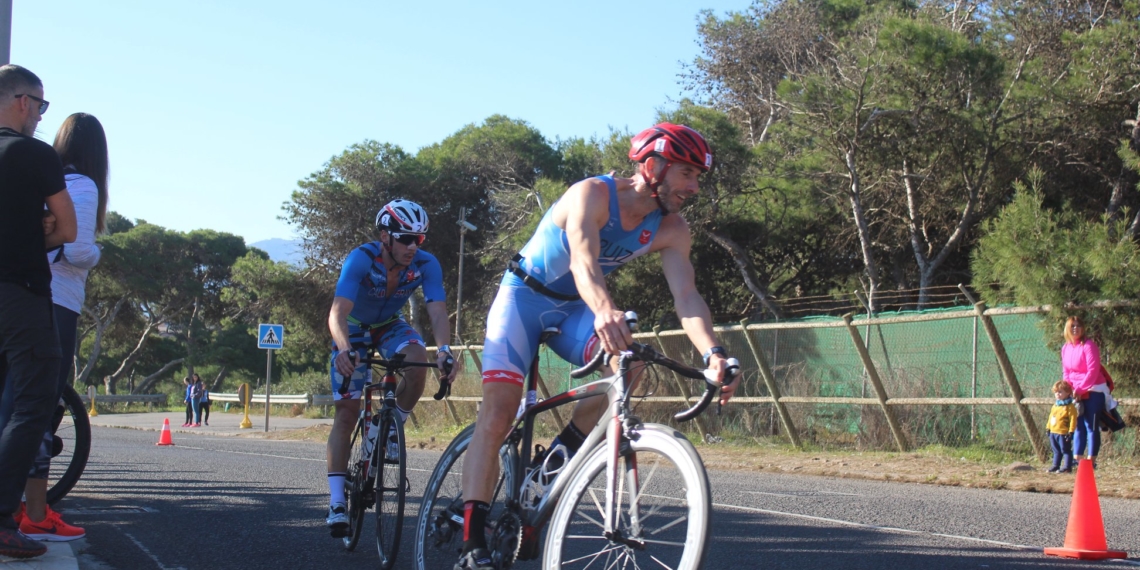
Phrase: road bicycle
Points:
(377, 470)
(71, 445)
(636, 494)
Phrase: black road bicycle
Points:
(72, 445)
(636, 495)
(377, 471)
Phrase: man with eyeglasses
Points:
(375, 282)
(31, 177)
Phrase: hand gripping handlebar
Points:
(646, 353)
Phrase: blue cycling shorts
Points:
(387, 340)
(517, 318)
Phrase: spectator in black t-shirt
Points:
(30, 177)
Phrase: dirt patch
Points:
(1113, 477)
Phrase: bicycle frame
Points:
(613, 422)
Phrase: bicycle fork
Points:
(619, 474)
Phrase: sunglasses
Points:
(43, 104)
(409, 239)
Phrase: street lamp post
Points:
(464, 227)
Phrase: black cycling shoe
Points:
(477, 559)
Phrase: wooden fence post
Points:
(1011, 379)
(773, 389)
(681, 385)
(873, 375)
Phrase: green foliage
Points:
(1032, 255)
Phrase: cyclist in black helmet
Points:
(375, 282)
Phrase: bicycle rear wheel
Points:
(663, 508)
(74, 430)
(358, 489)
(391, 487)
(439, 526)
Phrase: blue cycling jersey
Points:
(364, 280)
(546, 256)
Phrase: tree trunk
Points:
(747, 270)
(855, 193)
(148, 382)
(217, 384)
(97, 346)
(129, 361)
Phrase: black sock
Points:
(571, 437)
(474, 522)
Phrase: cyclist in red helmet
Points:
(558, 279)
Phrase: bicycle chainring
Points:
(506, 540)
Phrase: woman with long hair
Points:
(1080, 361)
(82, 148)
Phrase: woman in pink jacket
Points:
(1080, 360)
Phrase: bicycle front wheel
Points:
(662, 510)
(391, 487)
(73, 428)
(358, 490)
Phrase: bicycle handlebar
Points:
(398, 363)
(646, 353)
(445, 386)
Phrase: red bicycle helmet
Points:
(676, 143)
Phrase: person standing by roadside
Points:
(197, 389)
(1080, 360)
(1062, 423)
(186, 386)
(204, 404)
(31, 176)
(82, 148)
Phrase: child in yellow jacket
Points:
(1062, 424)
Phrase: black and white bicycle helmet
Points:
(402, 216)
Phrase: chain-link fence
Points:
(950, 377)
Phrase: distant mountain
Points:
(280, 249)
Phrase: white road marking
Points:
(804, 494)
(275, 456)
(158, 562)
(876, 527)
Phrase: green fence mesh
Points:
(946, 354)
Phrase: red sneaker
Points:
(196, 425)
(20, 514)
(51, 529)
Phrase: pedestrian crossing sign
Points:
(270, 336)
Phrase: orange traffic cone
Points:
(164, 437)
(1084, 537)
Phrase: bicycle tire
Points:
(75, 431)
(391, 480)
(575, 527)
(355, 481)
(438, 535)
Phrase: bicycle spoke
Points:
(595, 555)
(663, 565)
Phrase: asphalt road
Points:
(214, 503)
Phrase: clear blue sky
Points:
(215, 109)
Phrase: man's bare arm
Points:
(587, 206)
(440, 327)
(696, 319)
(338, 327)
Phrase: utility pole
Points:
(464, 227)
(5, 32)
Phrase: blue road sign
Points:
(270, 336)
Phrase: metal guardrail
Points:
(125, 398)
(260, 398)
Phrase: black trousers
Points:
(29, 377)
